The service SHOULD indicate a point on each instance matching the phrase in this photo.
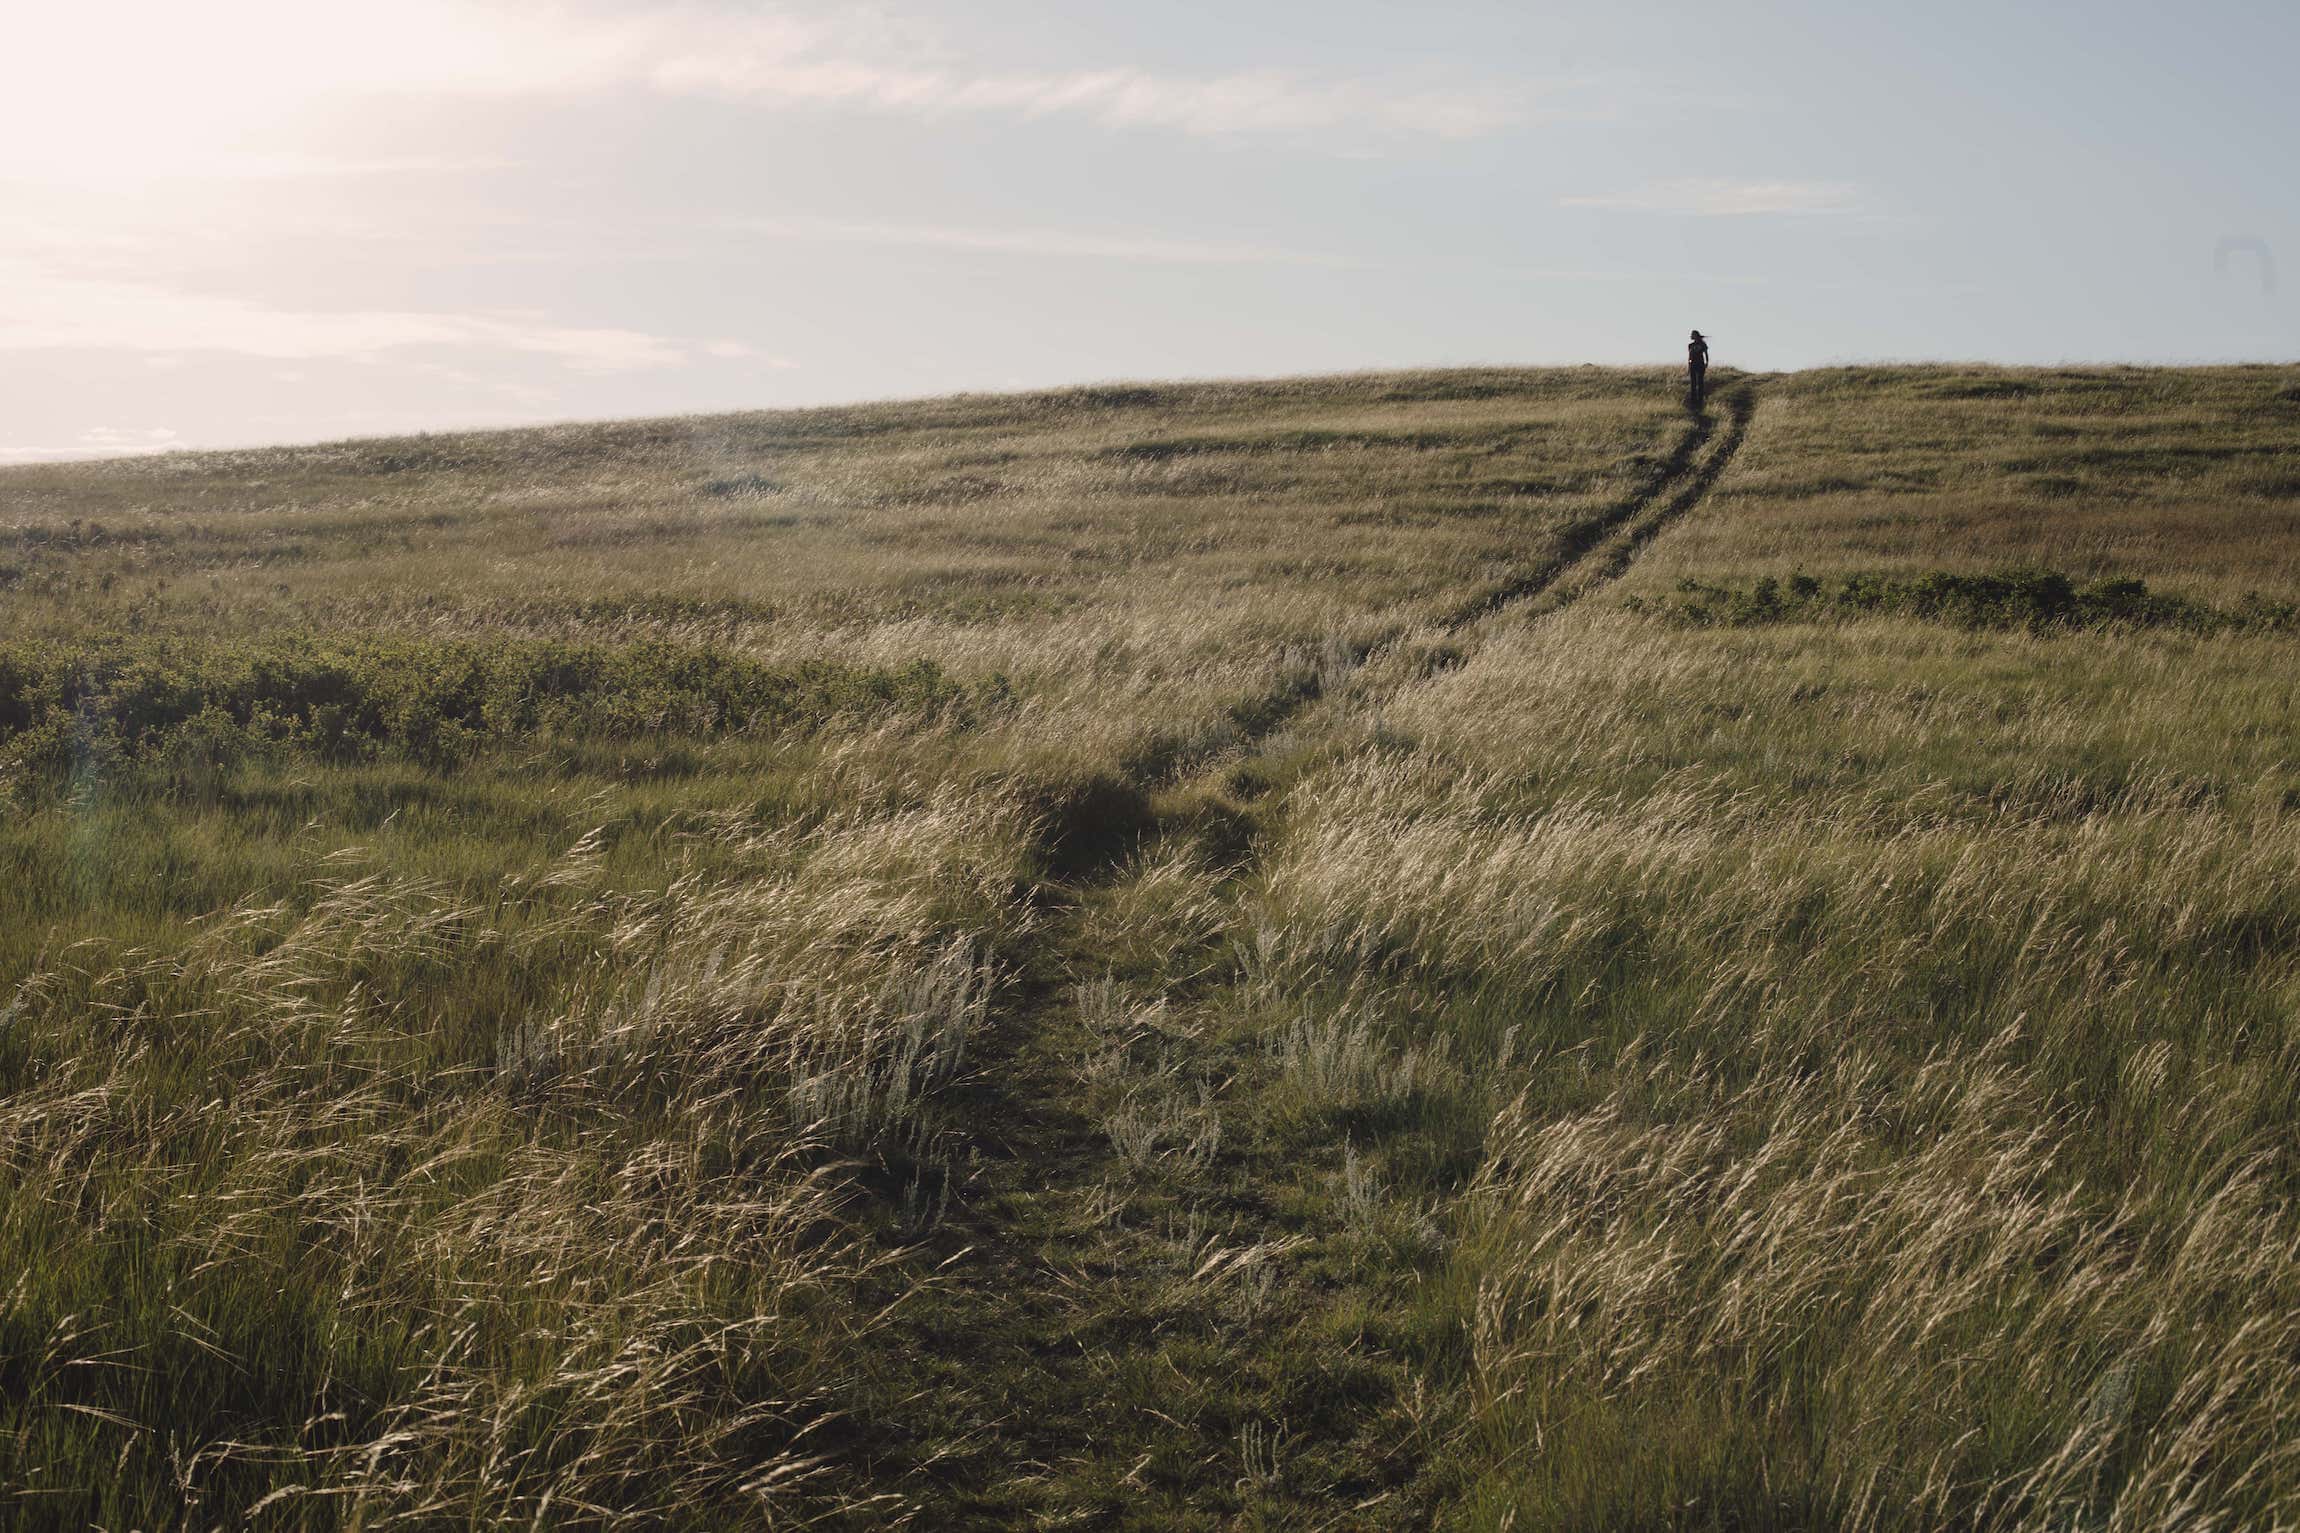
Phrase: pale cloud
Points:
(9, 455)
(1722, 197)
(1266, 101)
(1033, 242)
(43, 310)
(741, 351)
(292, 165)
(897, 64)
(157, 90)
(129, 438)
(100, 442)
(1641, 278)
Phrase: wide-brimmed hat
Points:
(1697, 335)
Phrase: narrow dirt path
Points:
(1112, 1341)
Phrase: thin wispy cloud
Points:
(100, 442)
(893, 63)
(47, 310)
(1634, 276)
(1722, 197)
(287, 165)
(1085, 244)
(265, 68)
(1267, 101)
(128, 438)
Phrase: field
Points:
(1467, 949)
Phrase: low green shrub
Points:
(127, 699)
(2033, 599)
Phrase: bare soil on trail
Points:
(1071, 1274)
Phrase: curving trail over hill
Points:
(1456, 949)
(1051, 1320)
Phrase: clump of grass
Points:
(1156, 1126)
(742, 487)
(1347, 1062)
(1166, 906)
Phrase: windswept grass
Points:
(2187, 478)
(1450, 949)
(388, 1203)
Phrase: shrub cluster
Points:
(129, 698)
(2033, 599)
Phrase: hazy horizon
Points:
(259, 222)
(864, 401)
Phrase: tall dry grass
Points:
(1280, 1051)
(2185, 477)
(1882, 1040)
(286, 1240)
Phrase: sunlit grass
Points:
(1079, 959)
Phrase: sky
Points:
(246, 221)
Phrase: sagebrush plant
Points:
(1446, 949)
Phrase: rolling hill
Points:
(1462, 949)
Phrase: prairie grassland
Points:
(1193, 956)
(1140, 563)
(1887, 1039)
(2187, 478)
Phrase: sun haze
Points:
(262, 220)
(1149, 767)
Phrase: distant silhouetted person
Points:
(1697, 368)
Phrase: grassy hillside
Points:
(1464, 949)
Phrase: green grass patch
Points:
(102, 703)
(2033, 599)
